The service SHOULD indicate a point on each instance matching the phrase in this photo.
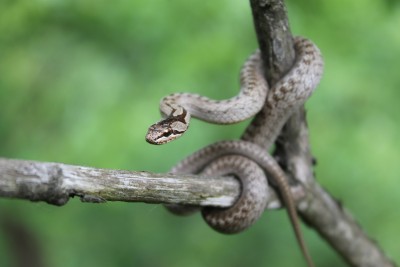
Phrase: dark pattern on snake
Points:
(275, 105)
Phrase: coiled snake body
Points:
(241, 158)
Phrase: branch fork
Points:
(55, 183)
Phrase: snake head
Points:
(166, 131)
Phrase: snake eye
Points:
(166, 133)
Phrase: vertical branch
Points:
(319, 209)
(274, 37)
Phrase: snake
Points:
(241, 158)
(178, 108)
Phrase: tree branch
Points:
(274, 37)
(55, 183)
(319, 209)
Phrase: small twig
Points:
(55, 183)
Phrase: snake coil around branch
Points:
(240, 158)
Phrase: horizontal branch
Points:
(55, 183)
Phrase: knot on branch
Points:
(41, 182)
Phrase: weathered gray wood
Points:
(55, 183)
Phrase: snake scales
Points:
(245, 160)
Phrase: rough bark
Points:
(319, 209)
(56, 183)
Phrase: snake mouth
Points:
(160, 140)
(150, 141)
(155, 140)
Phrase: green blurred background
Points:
(80, 82)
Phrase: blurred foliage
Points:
(80, 82)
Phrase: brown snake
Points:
(240, 158)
